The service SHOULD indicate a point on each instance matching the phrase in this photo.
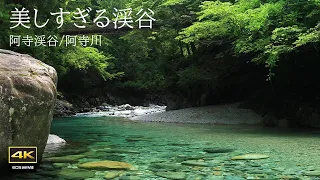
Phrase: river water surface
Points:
(179, 151)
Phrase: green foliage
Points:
(310, 36)
(83, 58)
(173, 2)
(266, 28)
(171, 55)
(62, 58)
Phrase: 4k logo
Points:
(22, 155)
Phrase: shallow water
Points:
(292, 152)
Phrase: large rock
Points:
(27, 97)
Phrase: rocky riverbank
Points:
(234, 113)
(257, 110)
(219, 114)
(106, 106)
(124, 110)
(63, 109)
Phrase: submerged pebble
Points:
(69, 173)
(113, 174)
(106, 165)
(194, 163)
(250, 157)
(164, 151)
(217, 150)
(172, 175)
(65, 159)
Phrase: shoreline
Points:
(224, 114)
(125, 110)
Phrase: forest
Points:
(263, 52)
(160, 89)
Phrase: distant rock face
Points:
(27, 97)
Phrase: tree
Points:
(267, 29)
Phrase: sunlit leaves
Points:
(203, 30)
(266, 28)
(88, 57)
(311, 36)
(173, 2)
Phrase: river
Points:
(179, 151)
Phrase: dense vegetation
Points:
(193, 51)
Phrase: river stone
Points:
(194, 163)
(69, 173)
(312, 173)
(46, 166)
(60, 165)
(114, 157)
(172, 175)
(54, 139)
(52, 149)
(112, 175)
(27, 97)
(233, 178)
(217, 150)
(106, 165)
(250, 157)
(95, 154)
(65, 159)
(129, 178)
(212, 177)
(167, 166)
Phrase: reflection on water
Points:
(179, 151)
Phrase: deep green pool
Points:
(154, 148)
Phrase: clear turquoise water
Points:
(143, 144)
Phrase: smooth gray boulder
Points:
(27, 97)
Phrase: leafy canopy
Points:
(267, 29)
